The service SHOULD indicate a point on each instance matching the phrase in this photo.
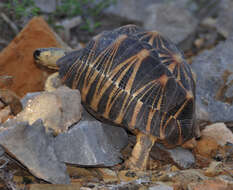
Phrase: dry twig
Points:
(10, 23)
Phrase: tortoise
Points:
(135, 79)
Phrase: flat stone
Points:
(27, 97)
(160, 187)
(127, 175)
(77, 172)
(32, 147)
(179, 25)
(17, 60)
(225, 18)
(206, 147)
(130, 9)
(186, 177)
(5, 114)
(87, 144)
(202, 114)
(53, 82)
(46, 6)
(8, 97)
(58, 109)
(183, 158)
(68, 24)
(210, 184)
(214, 169)
(219, 132)
(112, 137)
(226, 178)
(53, 187)
(214, 81)
(108, 176)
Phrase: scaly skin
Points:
(49, 56)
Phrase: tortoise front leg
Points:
(140, 153)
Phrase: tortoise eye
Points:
(36, 54)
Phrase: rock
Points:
(228, 153)
(214, 169)
(107, 175)
(82, 173)
(206, 147)
(58, 109)
(17, 61)
(130, 9)
(108, 130)
(68, 24)
(214, 81)
(202, 114)
(210, 184)
(160, 187)
(53, 82)
(179, 25)
(87, 144)
(6, 81)
(183, 158)
(219, 132)
(32, 147)
(71, 105)
(46, 6)
(186, 177)
(7, 97)
(29, 96)
(225, 18)
(5, 114)
(127, 175)
(53, 187)
(226, 178)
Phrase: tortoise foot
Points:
(131, 164)
(140, 153)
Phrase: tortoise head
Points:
(48, 56)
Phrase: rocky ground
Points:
(45, 147)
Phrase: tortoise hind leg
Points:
(140, 153)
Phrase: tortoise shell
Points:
(137, 79)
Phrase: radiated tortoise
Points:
(135, 79)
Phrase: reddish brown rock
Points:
(16, 60)
(206, 147)
(219, 132)
(211, 185)
(8, 97)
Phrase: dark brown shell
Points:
(136, 79)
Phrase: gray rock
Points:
(68, 24)
(58, 109)
(89, 143)
(214, 81)
(201, 113)
(113, 137)
(179, 25)
(160, 187)
(32, 147)
(183, 158)
(131, 9)
(46, 6)
(225, 18)
(71, 105)
(219, 132)
(52, 82)
(27, 97)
